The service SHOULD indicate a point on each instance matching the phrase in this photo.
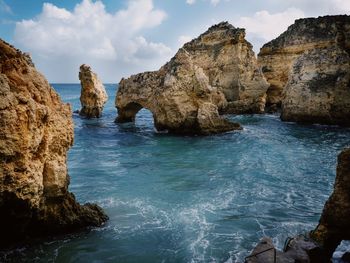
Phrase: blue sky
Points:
(123, 37)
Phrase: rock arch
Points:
(216, 72)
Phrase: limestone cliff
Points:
(216, 72)
(36, 130)
(278, 56)
(318, 90)
(334, 224)
(93, 94)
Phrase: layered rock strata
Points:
(318, 90)
(93, 94)
(36, 131)
(216, 72)
(278, 56)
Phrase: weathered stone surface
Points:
(36, 130)
(318, 90)
(334, 224)
(216, 72)
(278, 56)
(265, 252)
(299, 249)
(93, 94)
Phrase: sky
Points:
(118, 38)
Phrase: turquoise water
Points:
(192, 199)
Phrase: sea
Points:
(191, 198)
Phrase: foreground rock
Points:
(36, 130)
(216, 72)
(93, 94)
(278, 56)
(320, 244)
(299, 249)
(318, 90)
(334, 224)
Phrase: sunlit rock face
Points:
(318, 90)
(334, 224)
(278, 57)
(93, 95)
(216, 72)
(36, 131)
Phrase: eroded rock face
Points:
(334, 224)
(216, 72)
(318, 90)
(93, 94)
(36, 131)
(278, 56)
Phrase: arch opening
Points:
(128, 113)
(135, 113)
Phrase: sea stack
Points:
(36, 131)
(214, 73)
(334, 224)
(93, 95)
(303, 62)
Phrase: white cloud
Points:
(264, 26)
(190, 2)
(89, 34)
(213, 2)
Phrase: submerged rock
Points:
(93, 94)
(36, 131)
(216, 72)
(278, 56)
(334, 224)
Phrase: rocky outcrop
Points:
(278, 56)
(318, 90)
(320, 244)
(93, 94)
(36, 130)
(216, 72)
(298, 249)
(334, 224)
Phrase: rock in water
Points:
(36, 131)
(334, 224)
(278, 56)
(93, 94)
(318, 90)
(216, 72)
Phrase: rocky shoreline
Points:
(304, 73)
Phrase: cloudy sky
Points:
(122, 37)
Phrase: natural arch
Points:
(128, 113)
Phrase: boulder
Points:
(279, 55)
(36, 131)
(214, 73)
(93, 95)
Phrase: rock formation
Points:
(278, 56)
(318, 90)
(93, 94)
(320, 244)
(36, 130)
(216, 72)
(334, 224)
